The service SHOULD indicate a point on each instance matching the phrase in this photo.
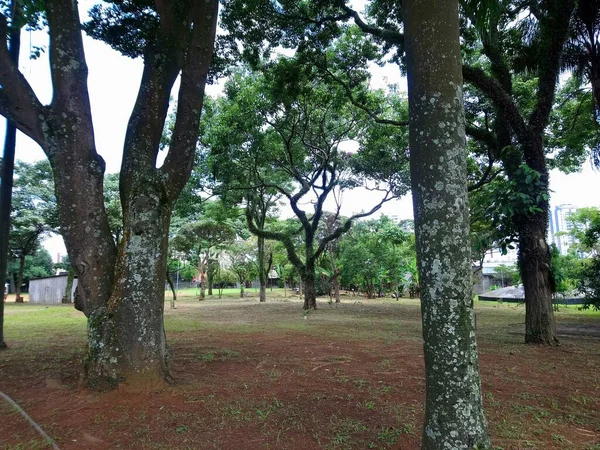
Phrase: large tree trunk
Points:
(454, 415)
(122, 295)
(309, 288)
(8, 167)
(535, 258)
(126, 337)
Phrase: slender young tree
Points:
(454, 416)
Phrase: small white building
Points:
(49, 290)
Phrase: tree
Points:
(582, 55)
(290, 126)
(580, 223)
(522, 120)
(242, 262)
(8, 161)
(509, 275)
(121, 293)
(589, 282)
(37, 265)
(203, 241)
(34, 213)
(373, 258)
(454, 415)
(112, 204)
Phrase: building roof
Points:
(51, 276)
(516, 294)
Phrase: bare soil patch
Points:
(252, 376)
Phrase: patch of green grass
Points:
(343, 432)
(389, 436)
(207, 357)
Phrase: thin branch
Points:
(363, 107)
(348, 223)
(389, 36)
(494, 91)
(18, 102)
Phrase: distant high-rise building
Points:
(560, 224)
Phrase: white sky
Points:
(113, 84)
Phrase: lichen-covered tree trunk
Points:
(8, 166)
(126, 337)
(454, 415)
(120, 291)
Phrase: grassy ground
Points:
(252, 376)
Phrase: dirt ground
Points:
(252, 376)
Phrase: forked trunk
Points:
(454, 415)
(126, 337)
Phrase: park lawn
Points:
(252, 376)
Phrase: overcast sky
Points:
(113, 84)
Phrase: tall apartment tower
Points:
(559, 224)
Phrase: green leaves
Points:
(34, 212)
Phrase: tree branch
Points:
(277, 236)
(348, 223)
(554, 32)
(180, 158)
(363, 107)
(494, 91)
(389, 36)
(18, 102)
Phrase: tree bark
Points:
(8, 167)
(202, 263)
(535, 258)
(126, 336)
(262, 270)
(120, 291)
(173, 291)
(210, 278)
(68, 297)
(454, 416)
(18, 298)
(335, 279)
(309, 288)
